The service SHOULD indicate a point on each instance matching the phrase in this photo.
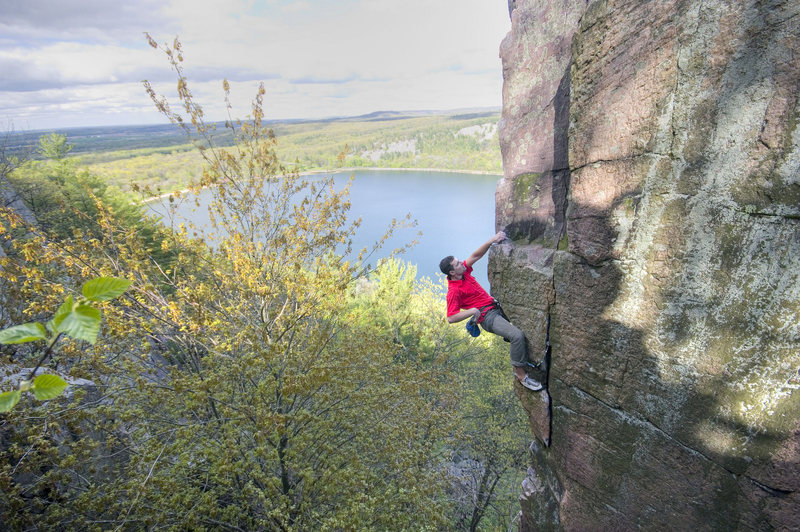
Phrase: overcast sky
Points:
(81, 62)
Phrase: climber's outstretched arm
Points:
(481, 251)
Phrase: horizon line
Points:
(374, 115)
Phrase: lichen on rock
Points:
(652, 194)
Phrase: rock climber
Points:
(466, 299)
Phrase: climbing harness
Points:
(472, 324)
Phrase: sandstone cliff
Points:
(652, 193)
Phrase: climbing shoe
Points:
(531, 384)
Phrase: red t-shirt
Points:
(466, 293)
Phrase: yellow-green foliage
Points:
(262, 384)
(488, 448)
(315, 146)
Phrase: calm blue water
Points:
(454, 211)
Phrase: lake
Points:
(454, 211)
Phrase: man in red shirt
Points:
(466, 299)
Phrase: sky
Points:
(69, 63)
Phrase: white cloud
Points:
(86, 20)
(120, 103)
(317, 58)
(69, 63)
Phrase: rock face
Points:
(10, 199)
(652, 196)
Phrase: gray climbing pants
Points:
(494, 322)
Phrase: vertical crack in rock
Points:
(544, 366)
(666, 196)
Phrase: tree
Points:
(54, 146)
(488, 449)
(11, 156)
(257, 400)
(267, 381)
(494, 450)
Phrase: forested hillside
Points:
(162, 156)
(264, 383)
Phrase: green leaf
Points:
(48, 386)
(63, 311)
(105, 288)
(82, 323)
(8, 400)
(28, 332)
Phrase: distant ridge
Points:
(462, 113)
(473, 112)
(87, 138)
(395, 115)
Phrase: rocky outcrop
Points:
(652, 196)
(10, 199)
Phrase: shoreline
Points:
(377, 168)
(349, 169)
